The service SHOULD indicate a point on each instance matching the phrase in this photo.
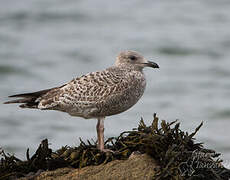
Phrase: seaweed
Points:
(176, 152)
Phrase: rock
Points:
(138, 167)
(159, 151)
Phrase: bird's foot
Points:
(107, 151)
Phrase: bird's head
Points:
(134, 59)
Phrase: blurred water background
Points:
(47, 43)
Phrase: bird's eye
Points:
(132, 58)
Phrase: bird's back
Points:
(99, 94)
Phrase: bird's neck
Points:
(129, 67)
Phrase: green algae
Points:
(175, 151)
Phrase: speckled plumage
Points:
(97, 94)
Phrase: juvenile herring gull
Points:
(96, 94)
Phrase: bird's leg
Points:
(100, 135)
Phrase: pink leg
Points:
(100, 133)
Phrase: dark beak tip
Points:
(157, 66)
(153, 64)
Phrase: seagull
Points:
(96, 94)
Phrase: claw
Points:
(107, 150)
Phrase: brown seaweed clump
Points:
(175, 151)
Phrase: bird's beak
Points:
(151, 64)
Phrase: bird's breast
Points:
(138, 86)
(133, 89)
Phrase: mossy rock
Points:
(173, 151)
(135, 168)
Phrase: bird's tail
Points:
(29, 100)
